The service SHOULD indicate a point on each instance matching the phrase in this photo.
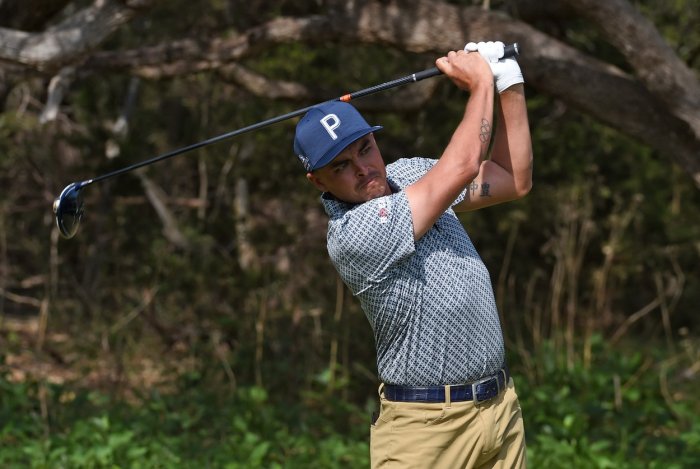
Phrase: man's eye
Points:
(365, 150)
(339, 167)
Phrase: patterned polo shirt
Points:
(430, 302)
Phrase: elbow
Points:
(523, 185)
(523, 189)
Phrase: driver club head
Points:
(68, 210)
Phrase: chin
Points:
(375, 192)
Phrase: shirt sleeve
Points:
(371, 239)
(415, 168)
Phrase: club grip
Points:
(510, 50)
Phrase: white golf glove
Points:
(506, 71)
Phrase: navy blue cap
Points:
(326, 130)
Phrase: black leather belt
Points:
(478, 391)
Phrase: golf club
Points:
(68, 207)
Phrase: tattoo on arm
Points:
(485, 189)
(485, 134)
(485, 186)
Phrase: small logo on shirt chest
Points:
(383, 212)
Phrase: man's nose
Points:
(361, 168)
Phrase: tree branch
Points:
(189, 55)
(157, 198)
(658, 66)
(58, 86)
(68, 41)
(260, 85)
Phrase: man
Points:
(447, 400)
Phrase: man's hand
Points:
(506, 71)
(467, 71)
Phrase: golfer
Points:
(447, 399)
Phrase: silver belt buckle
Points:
(482, 381)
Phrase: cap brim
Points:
(342, 145)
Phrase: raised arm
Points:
(461, 161)
(507, 175)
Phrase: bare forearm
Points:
(470, 141)
(512, 149)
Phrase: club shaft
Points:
(347, 97)
(194, 146)
(510, 50)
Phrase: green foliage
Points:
(613, 414)
(192, 428)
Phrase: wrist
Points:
(515, 89)
(484, 85)
(506, 83)
(507, 73)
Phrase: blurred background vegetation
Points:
(196, 321)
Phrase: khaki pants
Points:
(449, 435)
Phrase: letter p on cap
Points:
(330, 122)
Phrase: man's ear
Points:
(316, 182)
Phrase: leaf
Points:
(258, 454)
